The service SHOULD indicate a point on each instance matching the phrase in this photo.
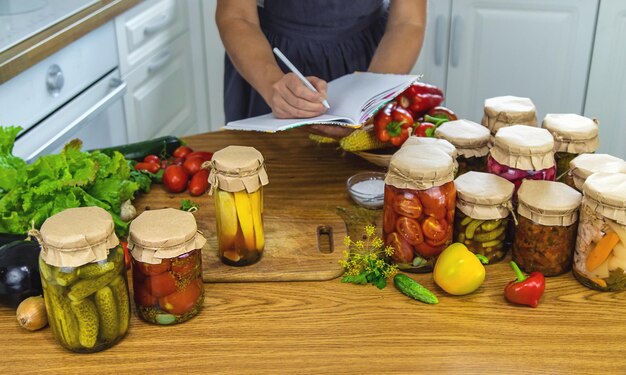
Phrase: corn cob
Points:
(321, 139)
(361, 140)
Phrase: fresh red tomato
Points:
(199, 183)
(192, 165)
(175, 179)
(200, 154)
(161, 285)
(153, 269)
(426, 250)
(142, 295)
(148, 167)
(410, 230)
(407, 204)
(433, 201)
(402, 250)
(182, 151)
(181, 301)
(152, 159)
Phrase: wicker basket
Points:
(378, 157)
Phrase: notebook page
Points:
(270, 124)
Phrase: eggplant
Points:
(19, 272)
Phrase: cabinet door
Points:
(539, 49)
(433, 59)
(607, 79)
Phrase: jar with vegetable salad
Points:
(503, 111)
(483, 214)
(419, 205)
(167, 265)
(237, 178)
(471, 141)
(545, 234)
(585, 165)
(600, 257)
(573, 135)
(83, 274)
(522, 152)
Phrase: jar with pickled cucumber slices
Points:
(600, 257)
(83, 274)
(167, 266)
(418, 209)
(547, 221)
(483, 214)
(237, 178)
(471, 141)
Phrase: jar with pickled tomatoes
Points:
(167, 266)
(483, 214)
(441, 144)
(503, 111)
(419, 205)
(585, 165)
(522, 152)
(471, 141)
(237, 178)
(600, 257)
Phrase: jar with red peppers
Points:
(522, 152)
(573, 135)
(471, 141)
(503, 111)
(167, 266)
(600, 257)
(482, 217)
(545, 233)
(419, 205)
(585, 165)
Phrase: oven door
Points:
(95, 116)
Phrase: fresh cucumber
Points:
(163, 146)
(414, 289)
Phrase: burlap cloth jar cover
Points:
(420, 167)
(484, 196)
(585, 165)
(548, 203)
(237, 168)
(572, 133)
(469, 138)
(508, 110)
(524, 147)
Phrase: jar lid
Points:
(548, 202)
(483, 196)
(469, 138)
(236, 168)
(419, 167)
(572, 133)
(584, 165)
(606, 193)
(163, 234)
(443, 144)
(524, 147)
(76, 236)
(502, 111)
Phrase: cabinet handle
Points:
(439, 30)
(456, 44)
(160, 61)
(157, 25)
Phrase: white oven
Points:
(74, 93)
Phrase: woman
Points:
(324, 39)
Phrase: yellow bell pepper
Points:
(458, 271)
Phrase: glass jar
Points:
(585, 165)
(471, 141)
(441, 144)
(83, 275)
(167, 266)
(237, 178)
(545, 233)
(573, 135)
(522, 152)
(503, 111)
(600, 257)
(418, 210)
(482, 216)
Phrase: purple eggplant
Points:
(19, 272)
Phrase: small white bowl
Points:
(367, 189)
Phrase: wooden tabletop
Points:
(330, 327)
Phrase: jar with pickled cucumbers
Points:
(483, 211)
(600, 257)
(471, 141)
(522, 152)
(83, 274)
(167, 266)
(545, 233)
(237, 178)
(503, 111)
(573, 135)
(585, 165)
(419, 205)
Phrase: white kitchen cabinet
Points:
(607, 79)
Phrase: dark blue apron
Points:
(323, 38)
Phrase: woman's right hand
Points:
(290, 98)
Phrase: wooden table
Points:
(330, 327)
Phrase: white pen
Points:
(306, 82)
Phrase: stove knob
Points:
(55, 80)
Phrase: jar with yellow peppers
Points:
(600, 257)
(237, 178)
(471, 141)
(483, 214)
(418, 209)
(585, 165)
(503, 111)
(83, 275)
(573, 135)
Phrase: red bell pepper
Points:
(442, 113)
(392, 123)
(525, 290)
(424, 129)
(420, 97)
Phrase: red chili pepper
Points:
(392, 123)
(420, 97)
(525, 290)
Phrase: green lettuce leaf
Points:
(11, 167)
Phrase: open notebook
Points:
(353, 98)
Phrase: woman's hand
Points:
(290, 98)
(332, 131)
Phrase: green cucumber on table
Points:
(162, 146)
(413, 289)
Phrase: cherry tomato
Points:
(434, 228)
(148, 167)
(182, 151)
(199, 183)
(443, 241)
(389, 220)
(152, 159)
(410, 230)
(434, 202)
(153, 269)
(143, 296)
(426, 250)
(161, 285)
(192, 165)
(181, 301)
(450, 193)
(175, 179)
(402, 250)
(183, 267)
(200, 154)
(407, 204)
